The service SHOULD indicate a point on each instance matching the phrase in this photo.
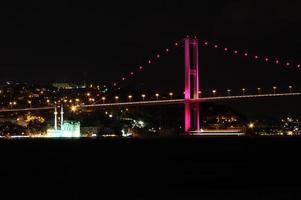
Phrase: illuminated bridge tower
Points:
(192, 111)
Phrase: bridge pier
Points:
(192, 115)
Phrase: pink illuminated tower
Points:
(192, 111)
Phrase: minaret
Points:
(55, 118)
(62, 116)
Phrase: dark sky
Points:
(82, 41)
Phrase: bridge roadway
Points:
(158, 102)
(180, 101)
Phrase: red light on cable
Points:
(149, 62)
(176, 44)
(246, 54)
(167, 50)
(277, 61)
(216, 46)
(115, 84)
(225, 49)
(206, 43)
(158, 56)
(266, 59)
(299, 66)
(132, 73)
(256, 57)
(288, 64)
(123, 78)
(236, 52)
(141, 67)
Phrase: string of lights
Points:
(246, 54)
(156, 57)
(150, 61)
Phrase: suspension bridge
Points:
(192, 99)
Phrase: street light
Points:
(157, 96)
(130, 97)
(214, 92)
(290, 88)
(243, 91)
(200, 93)
(103, 99)
(170, 95)
(229, 92)
(143, 96)
(29, 102)
(259, 91)
(116, 98)
(274, 89)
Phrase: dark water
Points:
(182, 168)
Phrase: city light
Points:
(170, 95)
(143, 96)
(157, 96)
(290, 88)
(199, 94)
(130, 97)
(251, 125)
(73, 108)
(214, 92)
(228, 92)
(259, 91)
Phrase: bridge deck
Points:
(159, 102)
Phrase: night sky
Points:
(62, 41)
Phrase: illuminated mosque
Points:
(67, 129)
